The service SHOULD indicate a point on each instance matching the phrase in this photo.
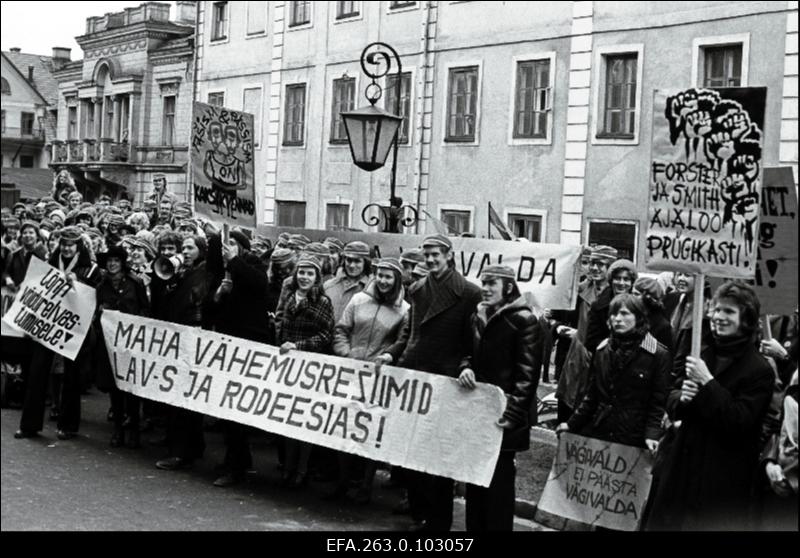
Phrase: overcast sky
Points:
(36, 27)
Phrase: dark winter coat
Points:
(18, 261)
(186, 303)
(309, 325)
(625, 402)
(438, 333)
(597, 329)
(660, 328)
(708, 472)
(506, 351)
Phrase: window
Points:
(526, 226)
(4, 121)
(291, 214)
(6, 89)
(346, 9)
(168, 121)
(337, 217)
(26, 161)
(300, 13)
(619, 119)
(405, 102)
(219, 21)
(621, 236)
(256, 18)
(463, 104)
(344, 90)
(26, 123)
(252, 104)
(72, 123)
(216, 99)
(532, 104)
(722, 66)
(90, 131)
(457, 221)
(108, 123)
(295, 114)
(399, 5)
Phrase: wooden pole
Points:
(697, 314)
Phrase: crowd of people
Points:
(722, 426)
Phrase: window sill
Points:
(456, 142)
(602, 139)
(293, 144)
(531, 141)
(219, 41)
(345, 18)
(402, 9)
(256, 36)
(299, 27)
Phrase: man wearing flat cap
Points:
(435, 340)
(357, 273)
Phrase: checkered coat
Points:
(309, 325)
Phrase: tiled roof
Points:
(43, 79)
(32, 183)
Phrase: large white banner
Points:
(546, 273)
(51, 312)
(404, 417)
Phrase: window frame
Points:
(164, 119)
(512, 111)
(263, 33)
(5, 87)
(210, 92)
(446, 114)
(258, 125)
(527, 211)
(72, 133)
(285, 108)
(444, 207)
(599, 71)
(348, 203)
(634, 222)
(341, 142)
(22, 128)
(227, 37)
(411, 92)
(358, 14)
(699, 44)
(305, 212)
(299, 26)
(398, 10)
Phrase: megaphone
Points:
(166, 268)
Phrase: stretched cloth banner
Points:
(705, 181)
(221, 157)
(7, 330)
(546, 273)
(404, 417)
(51, 312)
(598, 482)
(776, 270)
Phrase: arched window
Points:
(6, 88)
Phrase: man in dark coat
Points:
(239, 279)
(435, 340)
(73, 259)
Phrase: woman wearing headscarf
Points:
(306, 325)
(185, 304)
(506, 352)
(370, 324)
(120, 290)
(721, 399)
(621, 277)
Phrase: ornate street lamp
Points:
(371, 131)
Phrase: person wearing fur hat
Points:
(73, 259)
(435, 340)
(120, 290)
(505, 351)
(11, 232)
(141, 255)
(58, 217)
(370, 324)
(622, 275)
(652, 294)
(356, 275)
(114, 223)
(306, 324)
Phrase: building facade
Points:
(124, 110)
(542, 109)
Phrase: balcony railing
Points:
(27, 134)
(107, 150)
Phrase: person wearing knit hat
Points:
(420, 272)
(370, 324)
(11, 232)
(441, 308)
(19, 210)
(297, 242)
(187, 228)
(82, 216)
(281, 268)
(47, 225)
(305, 324)
(241, 238)
(283, 240)
(57, 216)
(336, 247)
(38, 211)
(620, 278)
(323, 253)
(357, 272)
(114, 224)
(16, 266)
(622, 275)
(506, 352)
(651, 292)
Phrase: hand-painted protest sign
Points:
(598, 482)
(7, 330)
(404, 417)
(546, 273)
(222, 165)
(776, 269)
(51, 312)
(705, 181)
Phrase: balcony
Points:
(31, 136)
(107, 151)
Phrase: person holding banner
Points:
(306, 325)
(629, 381)
(72, 258)
(708, 472)
(506, 351)
(186, 305)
